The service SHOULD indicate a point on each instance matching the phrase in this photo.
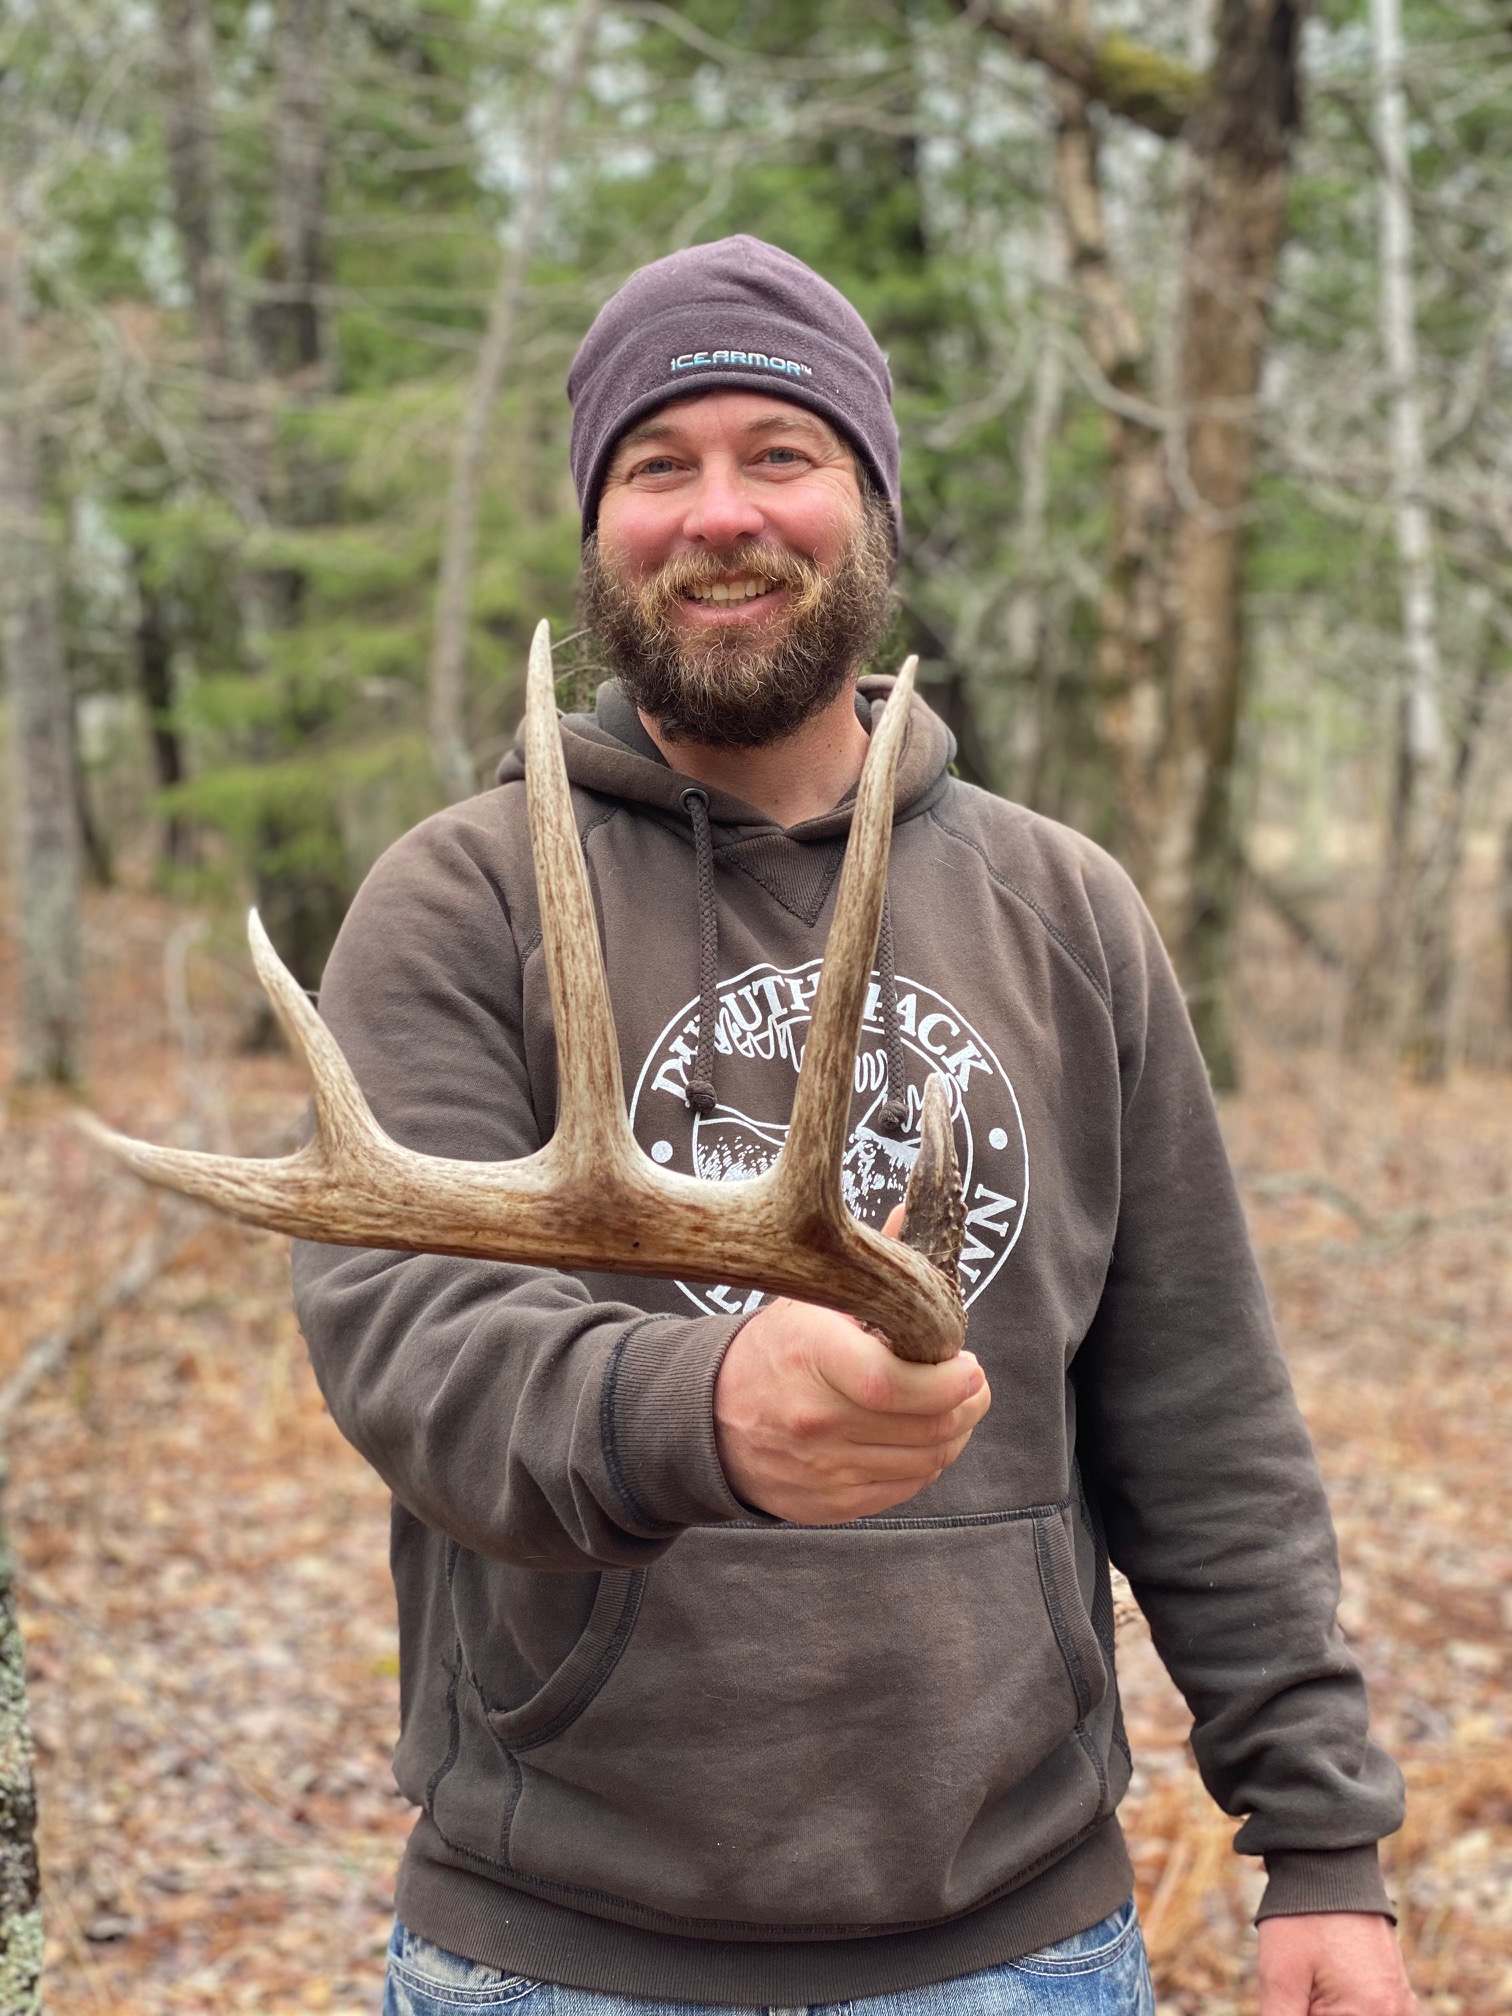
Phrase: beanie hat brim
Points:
(741, 316)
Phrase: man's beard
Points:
(724, 686)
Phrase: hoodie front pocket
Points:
(472, 1792)
(817, 1728)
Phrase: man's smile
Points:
(730, 591)
(742, 600)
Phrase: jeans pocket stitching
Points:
(501, 1994)
(1095, 1962)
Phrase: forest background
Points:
(1200, 317)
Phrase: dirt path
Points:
(204, 1577)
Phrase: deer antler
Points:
(590, 1198)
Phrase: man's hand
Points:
(818, 1422)
(1332, 1963)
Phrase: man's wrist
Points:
(658, 1417)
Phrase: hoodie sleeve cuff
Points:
(1336, 1879)
(658, 1422)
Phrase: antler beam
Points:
(590, 1198)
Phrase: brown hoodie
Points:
(665, 1746)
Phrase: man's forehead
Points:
(756, 416)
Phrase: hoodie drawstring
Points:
(700, 1092)
(700, 1095)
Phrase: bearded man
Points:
(743, 1663)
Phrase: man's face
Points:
(738, 575)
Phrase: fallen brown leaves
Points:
(204, 1587)
(1383, 1215)
(205, 1592)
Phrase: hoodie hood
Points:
(609, 752)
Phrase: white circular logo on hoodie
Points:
(758, 1047)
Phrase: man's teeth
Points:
(729, 591)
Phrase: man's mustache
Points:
(696, 573)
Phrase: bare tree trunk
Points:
(234, 433)
(93, 839)
(447, 676)
(47, 879)
(1241, 157)
(47, 826)
(1417, 907)
(1433, 968)
(1132, 619)
(20, 1885)
(291, 327)
(289, 323)
(1170, 653)
(186, 36)
(187, 59)
(301, 900)
(1030, 661)
(154, 669)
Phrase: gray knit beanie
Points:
(738, 315)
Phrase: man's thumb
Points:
(892, 1225)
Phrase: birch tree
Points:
(1417, 914)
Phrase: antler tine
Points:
(344, 1124)
(590, 1095)
(342, 1115)
(934, 1211)
(815, 1146)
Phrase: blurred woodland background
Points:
(1200, 316)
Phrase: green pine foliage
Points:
(888, 142)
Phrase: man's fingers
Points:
(867, 1428)
(817, 1422)
(1285, 1991)
(885, 1463)
(863, 1369)
(1332, 1963)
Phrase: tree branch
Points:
(1127, 78)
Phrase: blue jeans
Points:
(1100, 1972)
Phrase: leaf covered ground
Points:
(203, 1571)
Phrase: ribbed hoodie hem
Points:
(490, 1923)
(1333, 1879)
(659, 1421)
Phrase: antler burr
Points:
(590, 1198)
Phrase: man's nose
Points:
(722, 510)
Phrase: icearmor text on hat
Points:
(691, 359)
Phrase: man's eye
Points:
(657, 465)
(784, 456)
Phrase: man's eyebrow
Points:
(649, 430)
(809, 424)
(657, 429)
